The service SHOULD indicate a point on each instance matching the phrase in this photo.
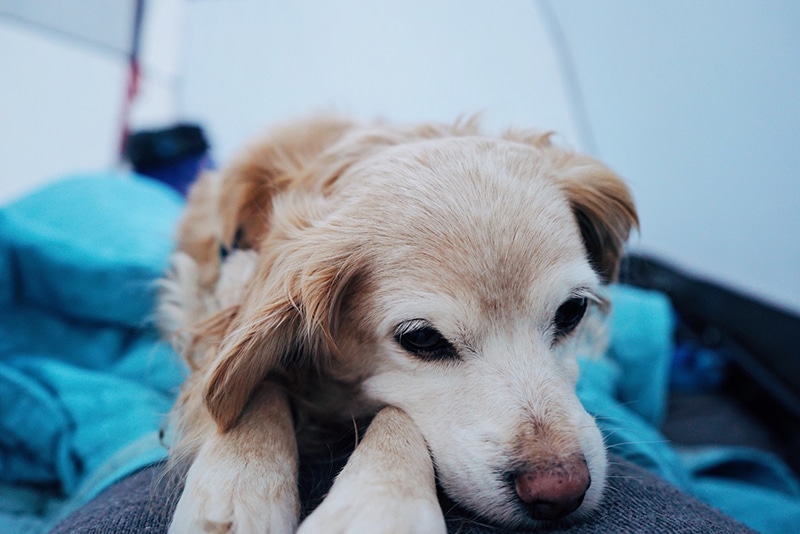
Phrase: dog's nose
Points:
(554, 492)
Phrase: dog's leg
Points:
(245, 480)
(387, 485)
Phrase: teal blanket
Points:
(85, 383)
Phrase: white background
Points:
(696, 104)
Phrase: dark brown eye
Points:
(569, 315)
(425, 342)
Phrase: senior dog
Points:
(429, 277)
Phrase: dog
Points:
(430, 277)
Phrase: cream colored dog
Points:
(430, 275)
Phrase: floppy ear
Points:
(285, 315)
(605, 213)
(600, 200)
(273, 165)
(231, 209)
(261, 339)
(286, 322)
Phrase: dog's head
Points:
(449, 275)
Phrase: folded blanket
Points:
(626, 390)
(85, 382)
(83, 377)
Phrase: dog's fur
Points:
(301, 267)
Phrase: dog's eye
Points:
(569, 315)
(425, 342)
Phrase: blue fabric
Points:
(83, 377)
(85, 383)
(747, 484)
(626, 390)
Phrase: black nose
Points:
(554, 492)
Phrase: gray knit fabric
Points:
(636, 501)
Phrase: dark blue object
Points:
(699, 362)
(175, 155)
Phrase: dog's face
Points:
(469, 317)
(450, 277)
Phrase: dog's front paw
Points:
(232, 501)
(374, 510)
(386, 487)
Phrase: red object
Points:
(134, 72)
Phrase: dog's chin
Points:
(509, 514)
(502, 508)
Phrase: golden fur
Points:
(302, 265)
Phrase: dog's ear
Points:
(231, 209)
(605, 213)
(286, 322)
(260, 340)
(600, 200)
(272, 165)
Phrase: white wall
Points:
(398, 59)
(697, 104)
(59, 108)
(61, 97)
(161, 56)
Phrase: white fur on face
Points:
(480, 414)
(506, 403)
